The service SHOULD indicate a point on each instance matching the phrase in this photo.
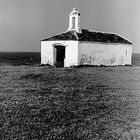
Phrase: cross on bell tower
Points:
(74, 20)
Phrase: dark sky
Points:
(23, 23)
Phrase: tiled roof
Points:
(87, 35)
(69, 35)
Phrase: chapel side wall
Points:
(129, 54)
(109, 54)
(48, 52)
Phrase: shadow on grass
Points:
(30, 76)
(87, 66)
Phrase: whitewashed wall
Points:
(71, 53)
(48, 52)
(92, 53)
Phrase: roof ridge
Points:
(99, 31)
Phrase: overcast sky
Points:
(23, 23)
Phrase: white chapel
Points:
(78, 46)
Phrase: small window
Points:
(126, 52)
(73, 22)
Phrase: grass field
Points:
(88, 103)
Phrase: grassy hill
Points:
(91, 103)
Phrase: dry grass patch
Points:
(75, 104)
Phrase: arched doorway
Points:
(59, 55)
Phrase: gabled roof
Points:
(88, 35)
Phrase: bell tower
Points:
(74, 20)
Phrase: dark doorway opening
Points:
(60, 56)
